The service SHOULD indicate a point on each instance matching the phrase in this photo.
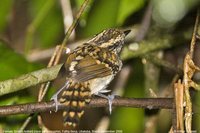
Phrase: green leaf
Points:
(47, 22)
(5, 6)
(128, 7)
(51, 29)
(109, 13)
(102, 15)
(13, 64)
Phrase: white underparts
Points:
(99, 84)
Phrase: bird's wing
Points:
(91, 62)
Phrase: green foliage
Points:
(126, 8)
(103, 14)
(109, 13)
(47, 22)
(5, 6)
(51, 29)
(13, 64)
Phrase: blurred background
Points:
(30, 30)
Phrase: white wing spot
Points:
(72, 65)
(79, 57)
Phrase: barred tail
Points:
(75, 97)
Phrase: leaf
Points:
(13, 64)
(109, 13)
(51, 30)
(48, 20)
(5, 6)
(128, 7)
(102, 15)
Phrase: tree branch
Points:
(150, 103)
(144, 47)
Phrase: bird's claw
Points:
(55, 96)
(55, 99)
(109, 98)
(110, 101)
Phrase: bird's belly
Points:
(100, 83)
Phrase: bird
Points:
(90, 68)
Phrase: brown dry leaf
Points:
(178, 92)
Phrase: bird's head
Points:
(113, 39)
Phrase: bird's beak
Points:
(126, 32)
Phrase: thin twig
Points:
(144, 47)
(145, 24)
(69, 31)
(163, 63)
(149, 103)
(43, 90)
(67, 15)
(25, 124)
(193, 41)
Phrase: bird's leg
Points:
(55, 96)
(109, 98)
